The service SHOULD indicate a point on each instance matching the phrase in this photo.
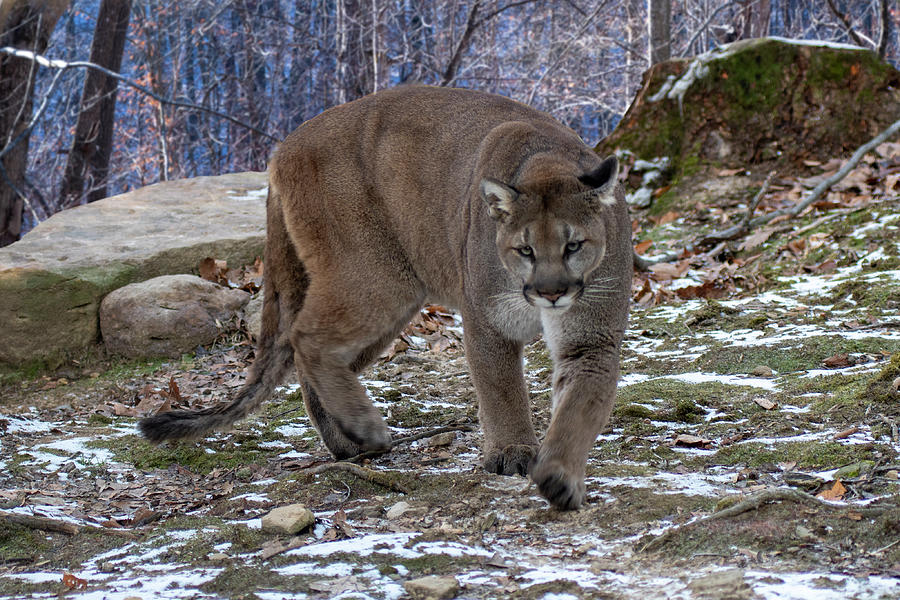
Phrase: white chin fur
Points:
(561, 304)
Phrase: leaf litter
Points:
(744, 368)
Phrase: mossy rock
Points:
(759, 101)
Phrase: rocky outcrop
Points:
(758, 101)
(52, 281)
(167, 316)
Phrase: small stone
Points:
(442, 439)
(805, 534)
(762, 371)
(432, 588)
(722, 584)
(854, 470)
(896, 385)
(893, 474)
(218, 557)
(291, 519)
(397, 510)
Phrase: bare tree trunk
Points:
(88, 161)
(659, 19)
(756, 15)
(885, 33)
(26, 25)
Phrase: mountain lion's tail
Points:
(283, 295)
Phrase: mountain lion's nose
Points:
(551, 296)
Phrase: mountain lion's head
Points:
(552, 229)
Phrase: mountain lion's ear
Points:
(602, 180)
(499, 198)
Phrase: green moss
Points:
(189, 454)
(819, 454)
(633, 411)
(240, 581)
(786, 357)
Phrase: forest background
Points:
(209, 86)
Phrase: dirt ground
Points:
(753, 451)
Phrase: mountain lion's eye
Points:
(525, 251)
(573, 247)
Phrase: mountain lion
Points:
(422, 194)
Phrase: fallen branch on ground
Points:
(369, 475)
(756, 501)
(57, 525)
(349, 465)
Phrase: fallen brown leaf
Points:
(642, 247)
(74, 583)
(835, 492)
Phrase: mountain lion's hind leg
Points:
(328, 427)
(334, 336)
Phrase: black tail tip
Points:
(153, 429)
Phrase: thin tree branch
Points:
(65, 65)
(848, 25)
(565, 50)
(471, 25)
(703, 27)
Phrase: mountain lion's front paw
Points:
(511, 460)
(371, 434)
(564, 490)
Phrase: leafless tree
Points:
(226, 76)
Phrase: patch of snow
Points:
(259, 194)
(632, 378)
(24, 425)
(288, 389)
(39, 577)
(548, 573)
(291, 430)
(821, 586)
(388, 543)
(275, 444)
(180, 584)
(697, 377)
(757, 382)
(251, 497)
(878, 224)
(337, 569)
(689, 484)
(264, 482)
(380, 385)
(817, 43)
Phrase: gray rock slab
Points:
(53, 279)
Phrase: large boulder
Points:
(167, 316)
(759, 101)
(52, 281)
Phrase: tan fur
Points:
(464, 198)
